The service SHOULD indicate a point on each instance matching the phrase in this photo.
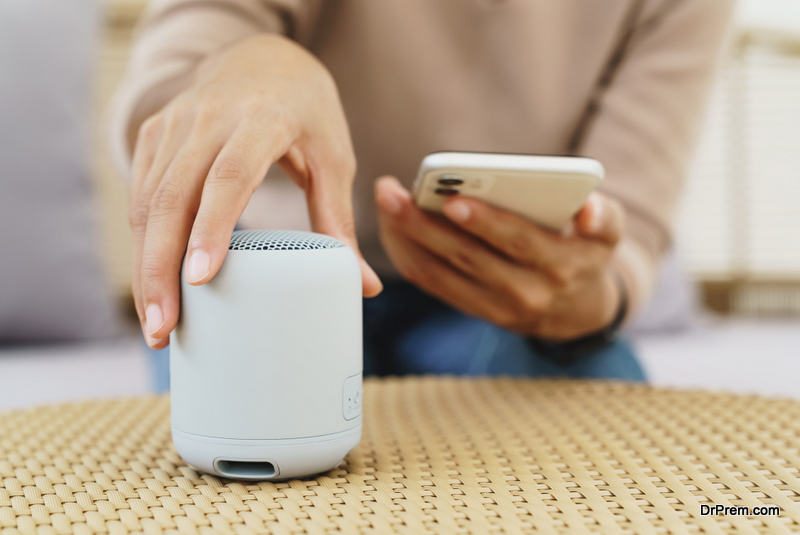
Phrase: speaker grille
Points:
(280, 240)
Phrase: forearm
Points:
(646, 122)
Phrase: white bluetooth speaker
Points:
(266, 360)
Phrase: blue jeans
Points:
(408, 332)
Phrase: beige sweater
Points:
(623, 81)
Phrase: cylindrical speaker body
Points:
(266, 360)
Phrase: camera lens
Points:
(450, 181)
(447, 192)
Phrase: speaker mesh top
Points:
(280, 240)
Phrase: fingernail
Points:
(597, 213)
(154, 318)
(377, 278)
(198, 266)
(457, 211)
(153, 341)
(391, 204)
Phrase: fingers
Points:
(236, 172)
(329, 192)
(157, 142)
(469, 255)
(146, 145)
(483, 272)
(436, 277)
(159, 139)
(171, 213)
(390, 196)
(199, 159)
(601, 218)
(514, 236)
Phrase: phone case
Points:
(548, 190)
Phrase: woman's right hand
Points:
(199, 159)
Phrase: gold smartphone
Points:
(548, 190)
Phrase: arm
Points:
(504, 269)
(644, 124)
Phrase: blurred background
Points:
(726, 317)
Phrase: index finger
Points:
(329, 193)
(512, 235)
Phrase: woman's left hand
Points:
(502, 268)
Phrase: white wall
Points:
(780, 15)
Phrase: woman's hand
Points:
(500, 267)
(198, 161)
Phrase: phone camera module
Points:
(450, 181)
(447, 192)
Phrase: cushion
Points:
(51, 281)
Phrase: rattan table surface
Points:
(438, 455)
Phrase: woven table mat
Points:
(438, 455)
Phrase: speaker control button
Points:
(352, 394)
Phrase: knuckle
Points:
(505, 317)
(172, 121)
(152, 270)
(176, 113)
(179, 169)
(564, 275)
(180, 108)
(228, 169)
(208, 112)
(518, 245)
(463, 257)
(169, 197)
(348, 226)
(523, 304)
(148, 131)
(137, 215)
(533, 303)
(257, 107)
(264, 111)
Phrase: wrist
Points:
(571, 350)
(615, 299)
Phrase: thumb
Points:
(601, 218)
(330, 208)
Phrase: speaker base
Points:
(258, 460)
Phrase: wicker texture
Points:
(438, 455)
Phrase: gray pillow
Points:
(51, 280)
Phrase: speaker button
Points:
(352, 394)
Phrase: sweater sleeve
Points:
(174, 36)
(644, 121)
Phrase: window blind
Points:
(740, 214)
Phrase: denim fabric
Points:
(409, 332)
